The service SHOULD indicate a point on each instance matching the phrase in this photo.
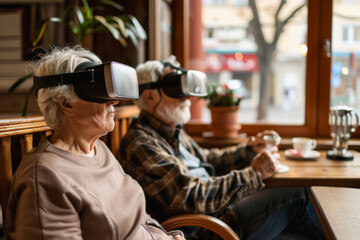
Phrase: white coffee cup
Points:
(304, 145)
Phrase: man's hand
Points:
(266, 163)
(257, 143)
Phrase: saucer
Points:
(292, 154)
(283, 168)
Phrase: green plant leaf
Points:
(79, 15)
(121, 25)
(114, 4)
(219, 95)
(41, 28)
(74, 28)
(88, 29)
(101, 27)
(133, 37)
(112, 29)
(132, 29)
(139, 29)
(88, 12)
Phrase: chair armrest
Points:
(201, 220)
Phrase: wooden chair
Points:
(19, 135)
(201, 220)
(123, 118)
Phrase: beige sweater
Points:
(59, 195)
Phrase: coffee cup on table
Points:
(303, 145)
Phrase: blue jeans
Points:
(274, 213)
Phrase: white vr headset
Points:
(180, 83)
(96, 82)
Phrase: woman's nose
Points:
(185, 98)
(112, 102)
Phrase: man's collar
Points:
(168, 132)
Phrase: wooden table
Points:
(338, 210)
(318, 172)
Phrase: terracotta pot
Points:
(197, 105)
(224, 121)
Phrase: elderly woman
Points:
(71, 186)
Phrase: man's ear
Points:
(151, 97)
(66, 107)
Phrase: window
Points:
(345, 61)
(323, 49)
(232, 54)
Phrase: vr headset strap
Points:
(170, 65)
(157, 85)
(160, 83)
(63, 79)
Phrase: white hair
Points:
(150, 71)
(58, 61)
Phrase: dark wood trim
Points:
(325, 17)
(181, 31)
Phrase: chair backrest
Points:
(123, 118)
(19, 135)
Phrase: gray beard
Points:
(180, 115)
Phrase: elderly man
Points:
(172, 168)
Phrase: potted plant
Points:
(224, 105)
(122, 27)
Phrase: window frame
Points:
(317, 94)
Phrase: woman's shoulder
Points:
(34, 170)
(31, 158)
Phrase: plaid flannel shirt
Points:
(150, 153)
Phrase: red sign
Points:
(237, 62)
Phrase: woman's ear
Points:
(151, 97)
(66, 107)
